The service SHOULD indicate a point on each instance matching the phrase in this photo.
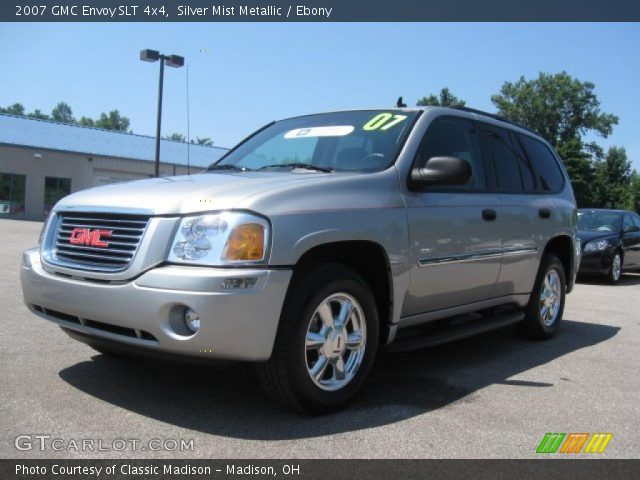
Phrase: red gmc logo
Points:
(88, 237)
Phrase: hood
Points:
(183, 194)
(587, 235)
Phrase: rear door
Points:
(455, 241)
(522, 215)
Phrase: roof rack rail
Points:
(495, 116)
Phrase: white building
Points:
(41, 161)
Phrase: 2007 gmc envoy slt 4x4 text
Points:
(316, 243)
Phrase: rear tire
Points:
(326, 343)
(543, 314)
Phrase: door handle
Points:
(544, 213)
(489, 214)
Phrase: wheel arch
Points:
(370, 260)
(562, 247)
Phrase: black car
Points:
(610, 242)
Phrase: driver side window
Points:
(453, 137)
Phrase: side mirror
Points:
(442, 171)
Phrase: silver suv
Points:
(316, 243)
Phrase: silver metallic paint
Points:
(306, 210)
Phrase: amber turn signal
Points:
(246, 242)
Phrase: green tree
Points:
(86, 122)
(63, 113)
(15, 109)
(175, 137)
(633, 200)
(563, 110)
(203, 141)
(581, 170)
(558, 106)
(444, 99)
(112, 121)
(613, 179)
(38, 114)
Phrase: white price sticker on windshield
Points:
(335, 131)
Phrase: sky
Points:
(242, 76)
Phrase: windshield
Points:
(599, 221)
(344, 141)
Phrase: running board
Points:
(467, 329)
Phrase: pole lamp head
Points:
(174, 61)
(149, 55)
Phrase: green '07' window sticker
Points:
(383, 121)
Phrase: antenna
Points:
(188, 128)
(400, 103)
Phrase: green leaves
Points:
(113, 121)
(175, 137)
(561, 108)
(444, 99)
(62, 112)
(613, 180)
(564, 110)
(15, 109)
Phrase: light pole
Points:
(171, 61)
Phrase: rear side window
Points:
(453, 137)
(526, 169)
(503, 164)
(548, 174)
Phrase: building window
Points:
(12, 194)
(54, 189)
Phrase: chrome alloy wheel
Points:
(616, 267)
(550, 297)
(335, 341)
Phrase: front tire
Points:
(615, 270)
(326, 343)
(543, 314)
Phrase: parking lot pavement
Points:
(490, 396)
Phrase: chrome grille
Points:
(121, 243)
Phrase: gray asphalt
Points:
(495, 395)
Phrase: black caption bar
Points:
(319, 10)
(319, 469)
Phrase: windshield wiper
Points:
(292, 165)
(228, 166)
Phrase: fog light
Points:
(191, 320)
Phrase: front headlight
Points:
(596, 246)
(225, 238)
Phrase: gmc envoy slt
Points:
(316, 243)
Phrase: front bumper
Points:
(596, 262)
(146, 312)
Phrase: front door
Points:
(455, 236)
(631, 240)
(526, 218)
